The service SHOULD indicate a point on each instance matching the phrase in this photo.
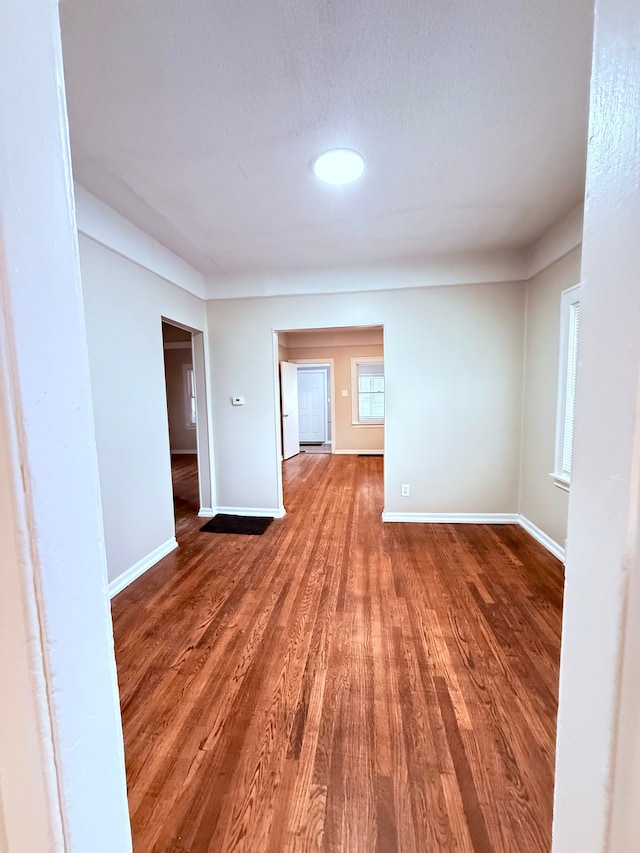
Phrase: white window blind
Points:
(567, 379)
(570, 398)
(189, 395)
(370, 392)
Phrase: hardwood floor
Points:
(338, 684)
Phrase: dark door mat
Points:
(249, 525)
(369, 454)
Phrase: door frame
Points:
(329, 363)
(204, 428)
(277, 408)
(286, 426)
(63, 784)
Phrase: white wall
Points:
(598, 752)
(453, 364)
(62, 779)
(124, 307)
(541, 501)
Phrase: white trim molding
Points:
(139, 568)
(480, 518)
(555, 243)
(249, 512)
(356, 361)
(561, 481)
(453, 517)
(109, 228)
(327, 364)
(568, 358)
(364, 450)
(106, 226)
(433, 271)
(539, 535)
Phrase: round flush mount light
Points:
(339, 166)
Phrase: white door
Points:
(312, 405)
(289, 397)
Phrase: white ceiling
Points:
(197, 120)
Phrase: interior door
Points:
(312, 405)
(289, 408)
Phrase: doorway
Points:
(187, 420)
(315, 400)
(306, 393)
(312, 406)
(342, 366)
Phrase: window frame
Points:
(355, 391)
(189, 393)
(569, 341)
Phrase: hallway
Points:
(338, 684)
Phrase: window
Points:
(367, 390)
(189, 387)
(568, 371)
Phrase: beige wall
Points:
(283, 353)
(453, 363)
(124, 306)
(454, 368)
(181, 437)
(347, 437)
(541, 501)
(345, 337)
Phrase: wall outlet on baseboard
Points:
(405, 490)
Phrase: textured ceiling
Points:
(197, 120)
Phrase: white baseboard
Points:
(206, 512)
(358, 452)
(250, 512)
(480, 518)
(139, 568)
(453, 517)
(550, 544)
(193, 452)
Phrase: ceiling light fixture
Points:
(339, 166)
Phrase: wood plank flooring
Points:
(338, 684)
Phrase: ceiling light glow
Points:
(339, 166)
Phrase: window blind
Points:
(190, 397)
(370, 392)
(570, 397)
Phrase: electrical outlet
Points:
(404, 490)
